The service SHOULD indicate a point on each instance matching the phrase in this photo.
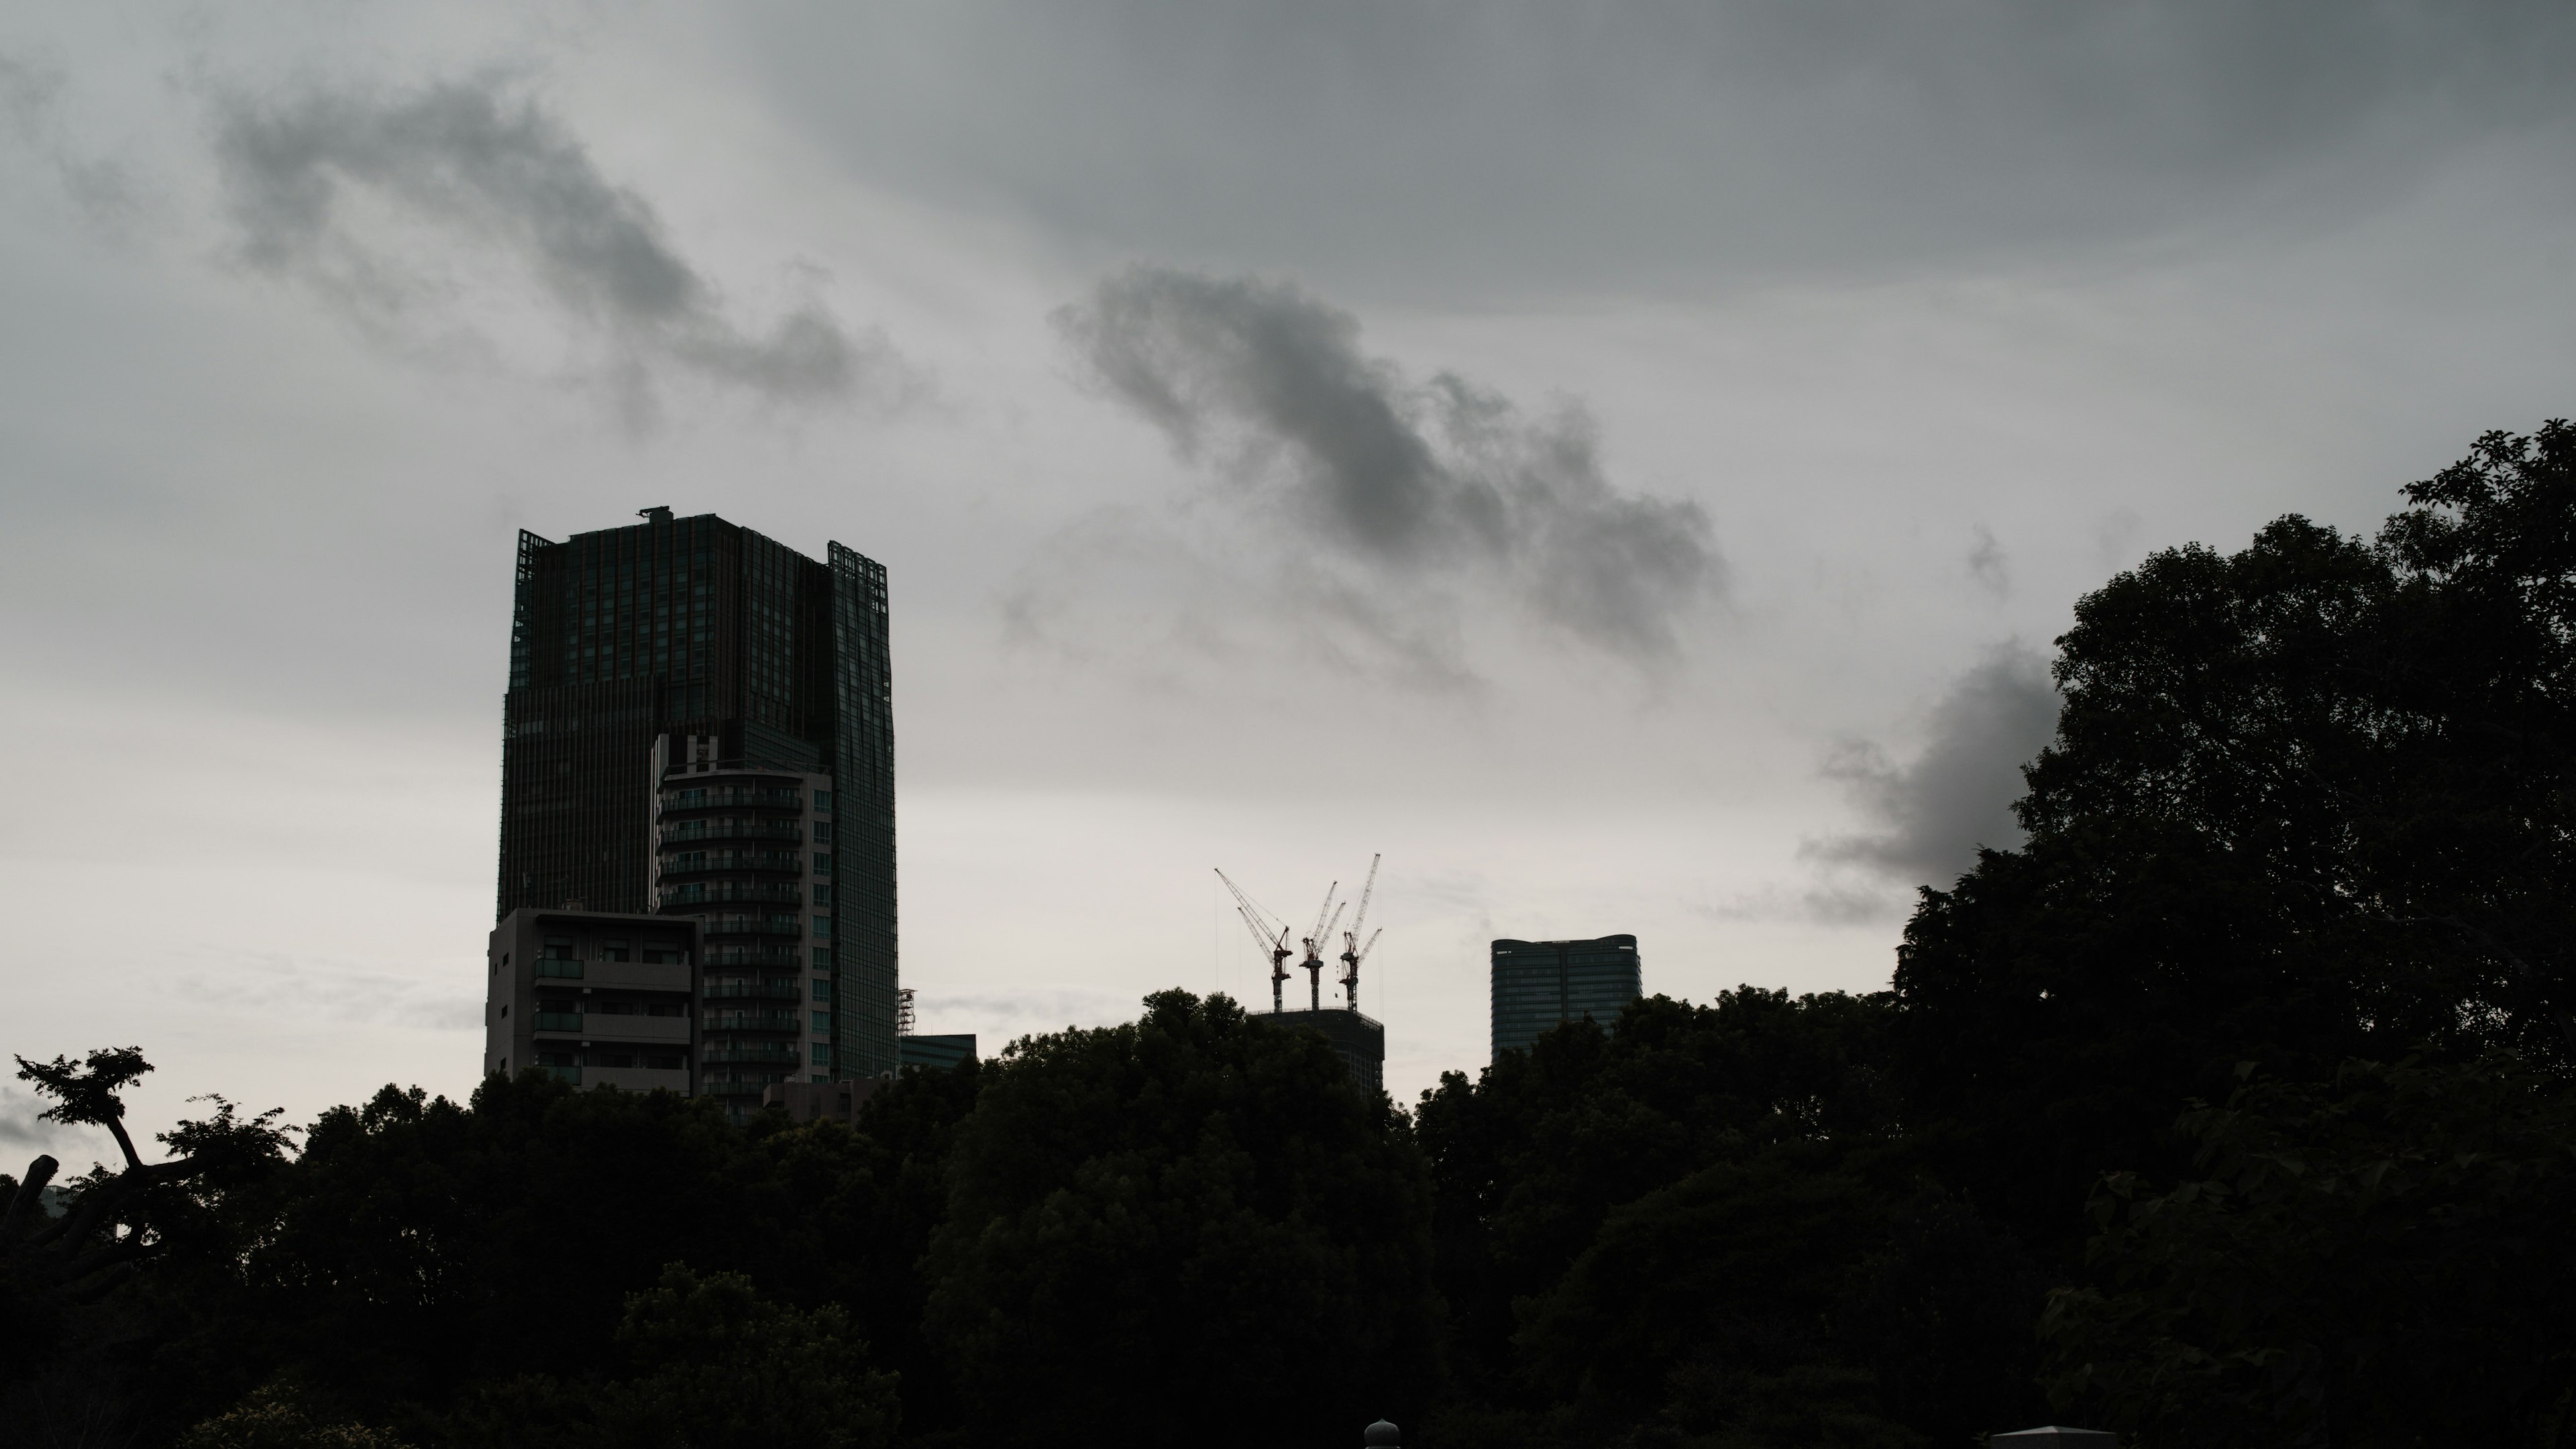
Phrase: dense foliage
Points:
(2232, 1108)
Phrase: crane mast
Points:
(1314, 941)
(1353, 952)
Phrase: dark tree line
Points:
(2232, 1108)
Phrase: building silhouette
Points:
(1541, 985)
(1360, 1041)
(692, 654)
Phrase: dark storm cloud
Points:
(1462, 144)
(1957, 795)
(1409, 480)
(299, 172)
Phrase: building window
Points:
(822, 862)
(822, 1054)
(666, 1008)
(822, 802)
(557, 948)
(822, 928)
(822, 958)
(823, 1022)
(822, 992)
(818, 1079)
(614, 951)
(822, 832)
(664, 1061)
(822, 896)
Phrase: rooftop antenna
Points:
(1272, 936)
(1352, 951)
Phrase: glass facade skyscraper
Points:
(1541, 985)
(696, 627)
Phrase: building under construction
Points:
(1358, 1039)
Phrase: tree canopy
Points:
(2235, 1106)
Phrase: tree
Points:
(276, 1418)
(1530, 1159)
(114, 1219)
(2310, 801)
(2379, 1260)
(1191, 1219)
(1710, 1226)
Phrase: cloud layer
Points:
(1396, 480)
(1477, 145)
(318, 182)
(1933, 813)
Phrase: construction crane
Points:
(1353, 952)
(1270, 934)
(1314, 940)
(1351, 968)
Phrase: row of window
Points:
(700, 797)
(575, 1007)
(561, 948)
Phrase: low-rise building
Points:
(594, 997)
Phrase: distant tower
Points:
(1541, 985)
(702, 630)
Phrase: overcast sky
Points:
(1626, 463)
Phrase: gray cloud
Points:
(1475, 145)
(340, 991)
(1956, 795)
(1987, 563)
(310, 177)
(101, 190)
(1407, 481)
(22, 1133)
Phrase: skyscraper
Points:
(1540, 985)
(701, 630)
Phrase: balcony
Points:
(715, 1088)
(704, 862)
(785, 957)
(733, 799)
(571, 970)
(639, 1079)
(751, 1021)
(720, 892)
(620, 1026)
(753, 925)
(557, 1021)
(640, 975)
(779, 1055)
(571, 1075)
(755, 991)
(691, 832)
